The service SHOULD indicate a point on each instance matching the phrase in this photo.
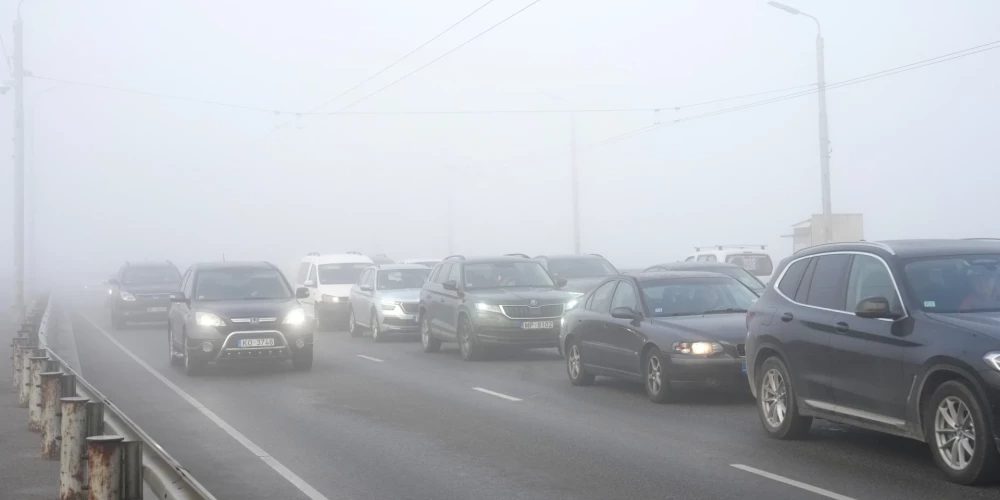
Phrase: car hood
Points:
(730, 328)
(985, 323)
(404, 295)
(151, 288)
(247, 308)
(339, 290)
(519, 295)
(582, 285)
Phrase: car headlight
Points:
(571, 304)
(295, 317)
(127, 297)
(483, 307)
(208, 319)
(388, 305)
(993, 359)
(331, 299)
(697, 348)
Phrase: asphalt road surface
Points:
(387, 421)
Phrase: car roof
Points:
(150, 263)
(488, 260)
(680, 266)
(395, 267)
(208, 266)
(414, 261)
(571, 256)
(659, 275)
(340, 258)
(907, 249)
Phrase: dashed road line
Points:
(369, 358)
(497, 394)
(791, 482)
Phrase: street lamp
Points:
(574, 174)
(824, 133)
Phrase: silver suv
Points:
(385, 299)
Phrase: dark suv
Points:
(238, 311)
(901, 337)
(499, 301)
(141, 292)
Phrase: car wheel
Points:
(657, 384)
(776, 404)
(303, 360)
(174, 359)
(574, 366)
(352, 325)
(470, 349)
(377, 334)
(192, 366)
(956, 427)
(427, 339)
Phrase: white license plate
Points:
(537, 325)
(156, 309)
(256, 343)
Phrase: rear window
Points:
(759, 264)
(341, 274)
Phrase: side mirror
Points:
(624, 313)
(365, 288)
(451, 285)
(301, 293)
(561, 282)
(178, 297)
(309, 284)
(875, 308)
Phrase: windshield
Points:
(744, 277)
(341, 274)
(150, 275)
(581, 268)
(240, 284)
(695, 296)
(506, 274)
(958, 284)
(759, 264)
(400, 279)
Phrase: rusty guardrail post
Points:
(51, 393)
(38, 364)
(72, 452)
(26, 353)
(104, 461)
(18, 343)
(132, 470)
(68, 384)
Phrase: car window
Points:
(150, 275)
(186, 283)
(601, 301)
(455, 274)
(625, 296)
(312, 274)
(506, 274)
(955, 284)
(372, 278)
(827, 287)
(707, 258)
(240, 284)
(793, 275)
(666, 297)
(758, 264)
(338, 274)
(689, 259)
(580, 267)
(443, 272)
(303, 273)
(744, 276)
(400, 279)
(870, 278)
(364, 278)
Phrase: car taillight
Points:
(749, 318)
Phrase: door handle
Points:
(787, 317)
(842, 327)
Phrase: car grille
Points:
(152, 296)
(741, 350)
(528, 312)
(254, 320)
(408, 307)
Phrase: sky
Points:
(115, 175)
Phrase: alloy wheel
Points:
(654, 375)
(351, 326)
(425, 332)
(954, 432)
(464, 342)
(773, 398)
(374, 327)
(574, 361)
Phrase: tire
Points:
(320, 324)
(578, 375)
(955, 403)
(303, 361)
(192, 366)
(377, 334)
(352, 325)
(427, 339)
(777, 406)
(471, 349)
(118, 321)
(655, 377)
(174, 360)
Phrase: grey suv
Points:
(494, 301)
(385, 300)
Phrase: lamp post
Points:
(574, 174)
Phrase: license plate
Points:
(537, 325)
(256, 343)
(744, 368)
(156, 309)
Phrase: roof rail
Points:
(516, 255)
(597, 255)
(456, 256)
(354, 253)
(875, 244)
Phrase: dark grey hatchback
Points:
(901, 337)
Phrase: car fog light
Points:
(207, 346)
(300, 343)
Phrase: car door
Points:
(866, 357)
(591, 325)
(356, 300)
(452, 301)
(436, 298)
(622, 339)
(308, 303)
(180, 312)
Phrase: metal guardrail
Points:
(121, 459)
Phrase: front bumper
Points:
(713, 371)
(400, 322)
(225, 346)
(495, 329)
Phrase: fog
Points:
(115, 175)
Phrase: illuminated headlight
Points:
(110, 291)
(127, 297)
(697, 348)
(993, 359)
(571, 304)
(208, 319)
(389, 305)
(333, 300)
(295, 317)
(482, 307)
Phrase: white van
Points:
(749, 257)
(329, 278)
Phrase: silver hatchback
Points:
(384, 300)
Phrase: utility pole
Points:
(575, 180)
(18, 169)
(824, 139)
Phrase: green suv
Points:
(492, 301)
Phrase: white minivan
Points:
(753, 258)
(329, 278)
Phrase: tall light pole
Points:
(573, 174)
(18, 169)
(824, 133)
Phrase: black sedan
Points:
(660, 328)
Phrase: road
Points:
(387, 421)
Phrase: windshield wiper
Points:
(725, 311)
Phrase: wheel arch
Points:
(939, 371)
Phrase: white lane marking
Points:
(792, 482)
(369, 358)
(296, 481)
(497, 394)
